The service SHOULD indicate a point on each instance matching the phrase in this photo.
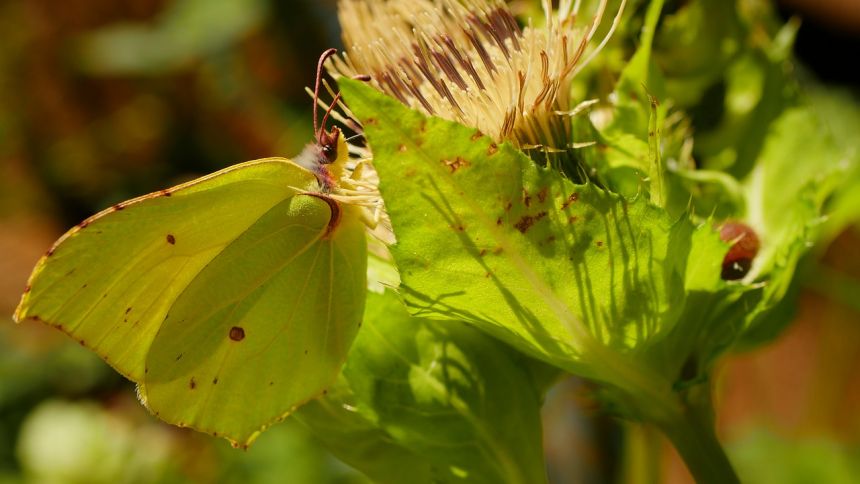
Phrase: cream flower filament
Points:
(469, 61)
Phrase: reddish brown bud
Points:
(745, 245)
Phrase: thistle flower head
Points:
(469, 61)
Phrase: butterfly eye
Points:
(330, 152)
(745, 245)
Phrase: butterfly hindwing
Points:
(265, 326)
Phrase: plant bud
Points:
(745, 245)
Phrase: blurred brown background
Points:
(103, 100)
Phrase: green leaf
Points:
(335, 420)
(439, 398)
(800, 167)
(239, 286)
(558, 270)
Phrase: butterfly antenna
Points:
(328, 111)
(320, 65)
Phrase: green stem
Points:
(692, 433)
(642, 446)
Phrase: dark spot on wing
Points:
(171, 239)
(237, 333)
(192, 384)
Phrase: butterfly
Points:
(230, 300)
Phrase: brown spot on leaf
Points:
(488, 275)
(402, 149)
(478, 135)
(527, 199)
(540, 215)
(492, 149)
(237, 333)
(524, 223)
(271, 383)
(179, 357)
(27, 289)
(600, 243)
(499, 221)
(192, 384)
(498, 250)
(572, 219)
(570, 199)
(456, 163)
(306, 351)
(82, 342)
(128, 310)
(371, 121)
(118, 206)
(166, 193)
(459, 227)
(508, 206)
(483, 252)
(215, 381)
(542, 194)
(171, 239)
(83, 224)
(50, 252)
